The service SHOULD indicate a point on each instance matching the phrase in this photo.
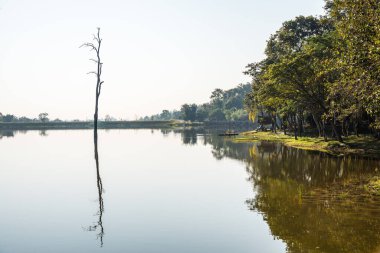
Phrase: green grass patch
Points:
(362, 146)
(307, 143)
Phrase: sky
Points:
(157, 54)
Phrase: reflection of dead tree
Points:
(43, 133)
(96, 47)
(99, 225)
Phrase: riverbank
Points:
(154, 124)
(363, 146)
(366, 185)
(101, 125)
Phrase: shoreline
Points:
(90, 125)
(61, 125)
(363, 146)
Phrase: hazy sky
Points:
(157, 54)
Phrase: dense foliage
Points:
(224, 105)
(322, 72)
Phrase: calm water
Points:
(177, 191)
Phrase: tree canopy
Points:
(322, 72)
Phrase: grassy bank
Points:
(366, 185)
(364, 146)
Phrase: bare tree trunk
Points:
(96, 47)
(96, 119)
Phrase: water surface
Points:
(176, 191)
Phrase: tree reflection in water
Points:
(303, 195)
(295, 199)
(98, 227)
(6, 133)
(189, 136)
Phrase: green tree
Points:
(43, 117)
(358, 26)
(165, 115)
(202, 113)
(189, 112)
(9, 118)
(217, 115)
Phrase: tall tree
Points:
(43, 116)
(189, 111)
(96, 47)
(358, 26)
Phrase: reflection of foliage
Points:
(316, 224)
(189, 136)
(43, 133)
(222, 148)
(308, 168)
(293, 195)
(5, 133)
(10, 133)
(287, 182)
(165, 132)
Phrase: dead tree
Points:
(96, 47)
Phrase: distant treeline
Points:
(224, 105)
(322, 72)
(50, 125)
(42, 117)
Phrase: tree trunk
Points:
(295, 127)
(96, 118)
(335, 131)
(316, 121)
(274, 125)
(356, 126)
(343, 129)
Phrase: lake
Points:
(178, 191)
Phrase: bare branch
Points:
(93, 60)
(90, 45)
(92, 72)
